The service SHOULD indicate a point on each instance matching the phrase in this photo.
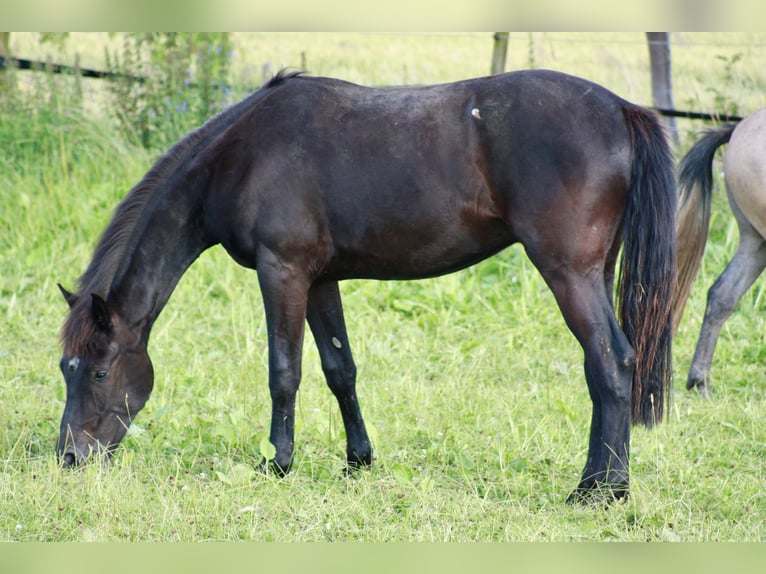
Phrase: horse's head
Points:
(108, 376)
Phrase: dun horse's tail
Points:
(695, 182)
(647, 277)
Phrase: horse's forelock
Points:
(79, 331)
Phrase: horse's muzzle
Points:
(68, 460)
(71, 457)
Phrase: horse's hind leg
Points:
(744, 268)
(325, 318)
(609, 363)
(593, 462)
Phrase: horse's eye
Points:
(100, 376)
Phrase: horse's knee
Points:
(283, 384)
(341, 377)
(720, 303)
(626, 359)
(622, 357)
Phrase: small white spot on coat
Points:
(74, 362)
(475, 113)
(336, 343)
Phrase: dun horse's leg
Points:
(325, 317)
(744, 268)
(285, 293)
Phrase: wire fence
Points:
(545, 49)
(53, 68)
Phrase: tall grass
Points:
(471, 384)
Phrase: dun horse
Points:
(311, 180)
(745, 176)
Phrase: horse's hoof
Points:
(355, 461)
(272, 467)
(578, 496)
(598, 495)
(355, 466)
(699, 383)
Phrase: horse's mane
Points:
(111, 255)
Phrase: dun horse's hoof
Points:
(701, 384)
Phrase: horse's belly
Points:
(746, 171)
(417, 255)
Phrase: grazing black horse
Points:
(313, 180)
(745, 174)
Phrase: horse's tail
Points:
(695, 182)
(647, 276)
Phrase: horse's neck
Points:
(170, 242)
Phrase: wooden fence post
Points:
(662, 82)
(499, 52)
(6, 74)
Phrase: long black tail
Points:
(648, 266)
(695, 183)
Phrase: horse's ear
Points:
(71, 298)
(101, 313)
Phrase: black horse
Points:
(313, 180)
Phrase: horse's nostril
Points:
(69, 459)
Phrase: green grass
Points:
(471, 385)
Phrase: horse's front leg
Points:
(325, 317)
(285, 291)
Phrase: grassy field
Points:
(471, 385)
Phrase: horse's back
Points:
(529, 132)
(745, 169)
